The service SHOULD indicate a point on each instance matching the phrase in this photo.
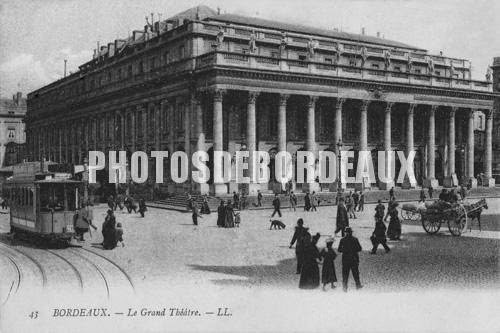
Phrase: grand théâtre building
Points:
(207, 81)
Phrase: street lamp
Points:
(339, 149)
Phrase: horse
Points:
(476, 213)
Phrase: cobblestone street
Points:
(165, 254)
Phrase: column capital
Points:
(252, 96)
(488, 113)
(218, 94)
(453, 111)
(340, 102)
(312, 101)
(283, 99)
(388, 107)
(433, 108)
(411, 108)
(470, 113)
(365, 103)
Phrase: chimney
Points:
(378, 34)
(111, 49)
(363, 30)
(137, 34)
(17, 98)
(119, 44)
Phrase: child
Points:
(237, 219)
(328, 272)
(119, 234)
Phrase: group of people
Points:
(112, 232)
(309, 257)
(311, 202)
(227, 217)
(127, 202)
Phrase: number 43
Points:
(33, 315)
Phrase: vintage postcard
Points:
(235, 166)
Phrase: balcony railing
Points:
(251, 61)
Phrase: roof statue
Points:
(409, 63)
(283, 42)
(364, 56)
(311, 46)
(387, 59)
(489, 74)
(220, 37)
(430, 65)
(252, 45)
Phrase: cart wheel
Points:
(457, 225)
(431, 226)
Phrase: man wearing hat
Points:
(349, 247)
(298, 236)
(342, 217)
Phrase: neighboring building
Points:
(496, 120)
(12, 135)
(203, 81)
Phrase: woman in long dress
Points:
(309, 275)
(109, 231)
(221, 214)
(328, 255)
(229, 215)
(394, 228)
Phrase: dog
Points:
(277, 224)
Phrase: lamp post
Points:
(85, 180)
(339, 157)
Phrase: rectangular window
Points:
(152, 64)
(397, 69)
(275, 54)
(352, 62)
(181, 52)
(376, 66)
(418, 71)
(302, 57)
(328, 60)
(438, 73)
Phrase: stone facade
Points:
(12, 135)
(227, 82)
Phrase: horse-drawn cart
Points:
(439, 212)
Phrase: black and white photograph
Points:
(249, 166)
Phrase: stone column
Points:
(431, 149)
(450, 180)
(387, 147)
(363, 126)
(282, 122)
(337, 135)
(488, 179)
(410, 145)
(187, 135)
(133, 135)
(470, 149)
(218, 96)
(200, 137)
(311, 130)
(251, 140)
(123, 116)
(171, 126)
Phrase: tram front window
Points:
(57, 197)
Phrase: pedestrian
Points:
(4, 206)
(328, 255)
(314, 202)
(463, 192)
(111, 202)
(430, 190)
(293, 201)
(130, 205)
(189, 202)
(108, 231)
(422, 195)
(361, 207)
(355, 200)
(298, 236)
(394, 228)
(236, 200)
(229, 215)
(378, 236)
(452, 197)
(443, 195)
(259, 198)
(119, 234)
(350, 206)
(195, 214)
(379, 210)
(309, 274)
(276, 205)
(142, 207)
(119, 202)
(307, 202)
(342, 217)
(221, 215)
(391, 193)
(80, 223)
(205, 208)
(349, 247)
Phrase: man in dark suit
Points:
(349, 247)
(276, 205)
(342, 217)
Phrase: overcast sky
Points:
(36, 35)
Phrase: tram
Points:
(42, 204)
